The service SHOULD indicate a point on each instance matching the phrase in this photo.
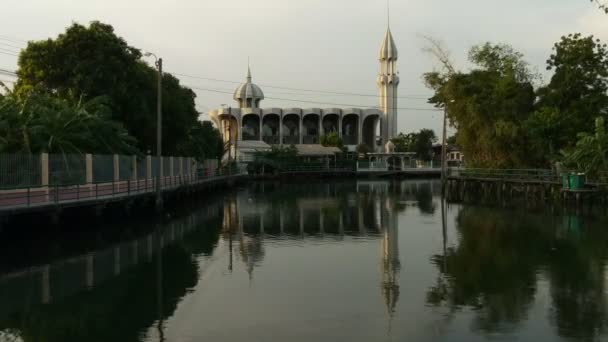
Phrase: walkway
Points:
(34, 199)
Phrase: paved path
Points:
(36, 199)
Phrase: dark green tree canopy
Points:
(92, 61)
(576, 94)
(488, 105)
(420, 142)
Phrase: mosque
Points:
(248, 126)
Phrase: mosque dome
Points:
(248, 94)
(388, 50)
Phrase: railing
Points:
(539, 175)
(291, 139)
(291, 167)
(364, 165)
(89, 177)
(350, 139)
(271, 139)
(250, 137)
(310, 139)
(294, 168)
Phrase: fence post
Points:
(116, 170)
(134, 168)
(44, 174)
(181, 166)
(161, 171)
(134, 172)
(148, 170)
(171, 171)
(88, 166)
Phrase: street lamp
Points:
(159, 128)
(444, 146)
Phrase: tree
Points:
(363, 149)
(332, 140)
(489, 106)
(40, 122)
(420, 142)
(88, 62)
(575, 95)
(423, 143)
(451, 140)
(203, 142)
(601, 5)
(404, 142)
(591, 151)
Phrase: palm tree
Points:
(591, 151)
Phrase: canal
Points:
(338, 261)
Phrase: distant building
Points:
(304, 126)
(454, 155)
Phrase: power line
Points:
(8, 72)
(296, 94)
(296, 89)
(11, 73)
(314, 102)
(13, 46)
(9, 53)
(12, 39)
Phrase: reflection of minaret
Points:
(252, 250)
(390, 256)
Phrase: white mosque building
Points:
(249, 126)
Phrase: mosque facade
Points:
(374, 127)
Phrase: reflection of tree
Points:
(577, 284)
(424, 196)
(494, 271)
(121, 308)
(116, 311)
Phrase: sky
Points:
(323, 45)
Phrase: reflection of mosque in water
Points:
(335, 212)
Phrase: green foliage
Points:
(576, 94)
(451, 140)
(363, 149)
(603, 6)
(489, 106)
(203, 142)
(403, 142)
(332, 140)
(591, 151)
(279, 153)
(420, 142)
(88, 62)
(39, 122)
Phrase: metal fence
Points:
(27, 180)
(19, 170)
(103, 167)
(67, 169)
(540, 175)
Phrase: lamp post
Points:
(159, 128)
(444, 147)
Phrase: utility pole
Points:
(444, 150)
(159, 134)
(159, 130)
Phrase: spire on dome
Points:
(248, 71)
(388, 50)
(248, 94)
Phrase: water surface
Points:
(337, 261)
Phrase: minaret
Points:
(390, 255)
(388, 81)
